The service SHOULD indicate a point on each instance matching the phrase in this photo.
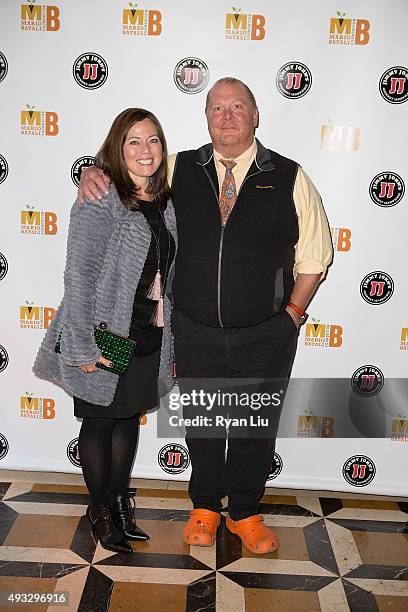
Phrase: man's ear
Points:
(256, 118)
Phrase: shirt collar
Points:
(246, 155)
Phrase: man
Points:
(253, 245)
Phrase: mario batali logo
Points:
(36, 407)
(339, 137)
(141, 22)
(38, 222)
(294, 80)
(399, 429)
(38, 123)
(90, 70)
(341, 238)
(191, 75)
(312, 426)
(244, 26)
(377, 288)
(387, 189)
(36, 317)
(40, 17)
(346, 31)
(404, 339)
(323, 334)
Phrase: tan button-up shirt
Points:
(313, 251)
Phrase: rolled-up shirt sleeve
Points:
(314, 250)
(171, 162)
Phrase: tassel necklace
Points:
(156, 289)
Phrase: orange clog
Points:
(201, 527)
(255, 536)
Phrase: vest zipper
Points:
(219, 276)
(219, 251)
(222, 238)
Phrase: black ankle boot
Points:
(124, 517)
(104, 529)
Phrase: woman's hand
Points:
(91, 367)
(93, 184)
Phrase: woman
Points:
(119, 256)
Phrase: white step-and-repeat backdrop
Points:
(331, 81)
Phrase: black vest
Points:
(242, 274)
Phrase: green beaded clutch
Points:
(117, 349)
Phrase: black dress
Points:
(137, 391)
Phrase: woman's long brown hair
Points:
(110, 159)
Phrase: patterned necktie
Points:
(228, 190)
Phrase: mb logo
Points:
(312, 426)
(38, 222)
(341, 237)
(345, 31)
(324, 335)
(36, 317)
(38, 123)
(339, 138)
(139, 22)
(36, 407)
(40, 17)
(404, 339)
(244, 26)
(399, 429)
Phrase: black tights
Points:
(106, 449)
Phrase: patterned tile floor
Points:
(337, 554)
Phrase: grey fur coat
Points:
(106, 251)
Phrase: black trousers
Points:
(265, 350)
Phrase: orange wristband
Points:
(296, 309)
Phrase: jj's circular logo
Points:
(368, 380)
(4, 446)
(3, 266)
(4, 358)
(73, 453)
(276, 467)
(3, 66)
(90, 70)
(173, 458)
(394, 85)
(359, 470)
(3, 169)
(78, 165)
(387, 189)
(293, 80)
(191, 75)
(377, 287)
